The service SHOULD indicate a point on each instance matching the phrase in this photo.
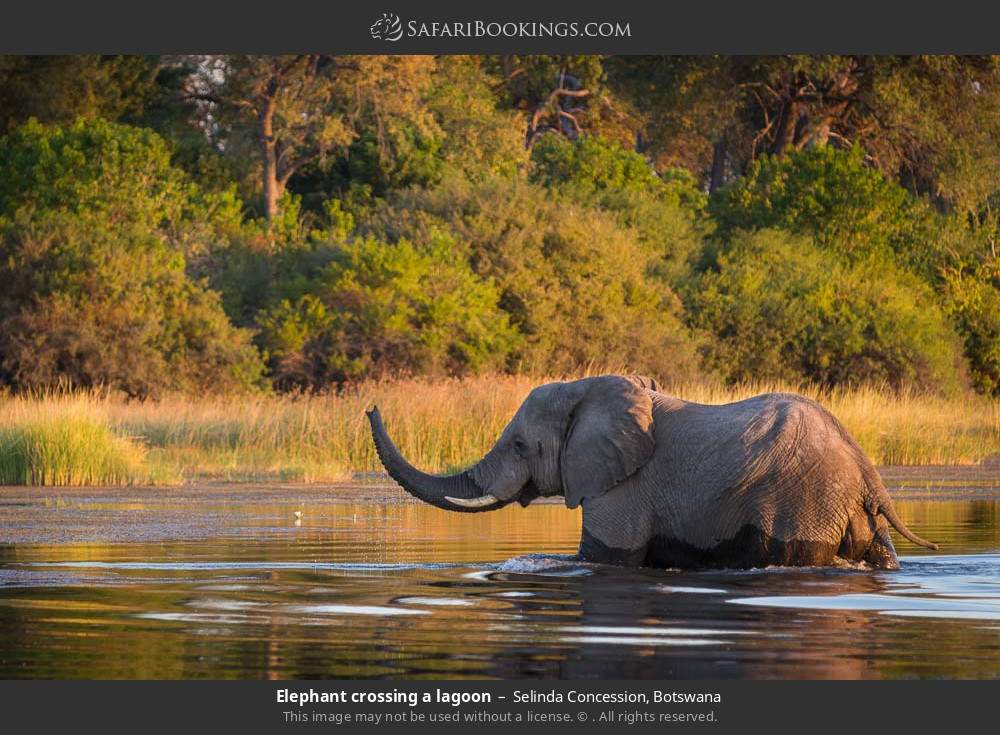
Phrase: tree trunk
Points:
(718, 166)
(271, 186)
(820, 135)
(269, 158)
(787, 124)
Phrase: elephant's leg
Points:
(593, 549)
(881, 554)
(857, 537)
(614, 532)
(867, 539)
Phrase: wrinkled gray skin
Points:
(774, 479)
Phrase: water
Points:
(221, 582)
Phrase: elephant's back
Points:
(777, 462)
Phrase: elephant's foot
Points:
(881, 554)
(867, 540)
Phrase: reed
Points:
(94, 438)
(66, 442)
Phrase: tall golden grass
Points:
(438, 424)
(66, 442)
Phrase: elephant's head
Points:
(578, 439)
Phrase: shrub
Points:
(119, 174)
(782, 309)
(88, 305)
(973, 298)
(94, 224)
(666, 211)
(376, 308)
(833, 197)
(580, 288)
(591, 164)
(853, 211)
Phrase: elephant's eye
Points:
(520, 447)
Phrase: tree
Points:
(780, 308)
(118, 172)
(972, 297)
(298, 109)
(832, 196)
(458, 126)
(375, 309)
(564, 95)
(930, 120)
(91, 258)
(59, 89)
(666, 211)
(580, 288)
(88, 304)
(476, 134)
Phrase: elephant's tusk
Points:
(480, 502)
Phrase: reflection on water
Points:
(219, 583)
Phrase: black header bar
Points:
(511, 26)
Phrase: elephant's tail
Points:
(894, 520)
(880, 502)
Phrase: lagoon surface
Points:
(228, 582)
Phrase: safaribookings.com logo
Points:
(390, 28)
(387, 28)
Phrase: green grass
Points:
(67, 442)
(92, 438)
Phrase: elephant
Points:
(773, 480)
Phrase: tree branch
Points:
(221, 101)
(287, 174)
(567, 116)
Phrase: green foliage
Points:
(462, 215)
(858, 215)
(665, 211)
(780, 308)
(59, 89)
(89, 304)
(591, 169)
(477, 136)
(930, 122)
(832, 196)
(95, 286)
(301, 114)
(589, 165)
(117, 173)
(973, 298)
(455, 125)
(376, 309)
(580, 288)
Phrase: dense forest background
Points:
(215, 224)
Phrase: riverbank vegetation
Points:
(245, 250)
(441, 425)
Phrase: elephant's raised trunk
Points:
(451, 492)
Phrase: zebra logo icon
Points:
(387, 28)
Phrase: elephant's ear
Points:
(643, 382)
(608, 438)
